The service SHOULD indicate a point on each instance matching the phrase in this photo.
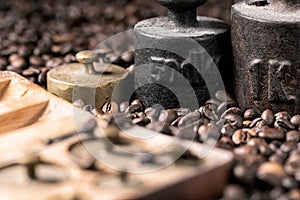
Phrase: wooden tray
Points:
(33, 116)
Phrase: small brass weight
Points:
(89, 80)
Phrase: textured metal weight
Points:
(156, 37)
(265, 39)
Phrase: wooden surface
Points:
(53, 117)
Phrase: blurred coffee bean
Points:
(16, 61)
(294, 194)
(245, 150)
(54, 62)
(293, 136)
(271, 133)
(24, 51)
(288, 146)
(250, 114)
(225, 143)
(30, 72)
(296, 120)
(36, 61)
(268, 116)
(168, 116)
(190, 120)
(234, 191)
(292, 164)
(128, 57)
(244, 174)
(160, 127)
(289, 183)
(228, 130)
(3, 63)
(271, 173)
(240, 137)
(142, 121)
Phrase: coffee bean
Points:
(30, 72)
(168, 116)
(245, 150)
(240, 137)
(292, 164)
(134, 108)
(182, 111)
(289, 183)
(207, 112)
(284, 124)
(234, 191)
(296, 120)
(244, 174)
(190, 120)
(224, 106)
(252, 132)
(228, 130)
(203, 132)
(160, 127)
(127, 57)
(233, 110)
(234, 120)
(274, 145)
(254, 122)
(282, 115)
(3, 63)
(288, 146)
(294, 194)
(268, 116)
(250, 114)
(143, 121)
(17, 61)
(293, 136)
(271, 133)
(36, 61)
(271, 173)
(110, 107)
(225, 143)
(24, 51)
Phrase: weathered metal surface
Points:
(155, 41)
(266, 46)
(92, 82)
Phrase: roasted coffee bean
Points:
(143, 121)
(207, 112)
(137, 102)
(234, 120)
(289, 182)
(182, 111)
(240, 137)
(225, 106)
(203, 132)
(262, 146)
(245, 150)
(30, 72)
(252, 132)
(276, 192)
(153, 111)
(234, 191)
(254, 122)
(271, 173)
(292, 164)
(288, 146)
(250, 114)
(190, 120)
(271, 133)
(244, 174)
(168, 116)
(79, 103)
(284, 124)
(293, 136)
(162, 127)
(24, 51)
(134, 108)
(254, 160)
(282, 115)
(294, 194)
(225, 143)
(268, 116)
(36, 61)
(110, 107)
(16, 61)
(233, 110)
(228, 130)
(296, 120)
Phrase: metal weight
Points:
(265, 37)
(155, 34)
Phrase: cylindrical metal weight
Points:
(265, 39)
(156, 42)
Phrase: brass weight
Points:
(89, 80)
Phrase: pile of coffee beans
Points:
(266, 145)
